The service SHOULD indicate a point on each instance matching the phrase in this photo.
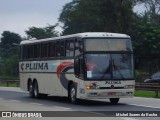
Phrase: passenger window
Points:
(60, 49)
(29, 51)
(36, 50)
(70, 48)
(44, 50)
(51, 51)
(23, 52)
(78, 47)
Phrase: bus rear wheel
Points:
(30, 89)
(36, 90)
(114, 100)
(73, 94)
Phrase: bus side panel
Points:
(24, 81)
(53, 85)
(48, 83)
(53, 77)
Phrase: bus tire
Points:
(30, 89)
(114, 100)
(73, 94)
(36, 90)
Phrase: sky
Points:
(18, 15)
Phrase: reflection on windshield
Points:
(108, 44)
(109, 66)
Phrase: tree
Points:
(97, 15)
(146, 44)
(9, 53)
(9, 38)
(153, 8)
(8, 41)
(41, 33)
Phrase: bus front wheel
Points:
(73, 94)
(114, 100)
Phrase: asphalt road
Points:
(13, 99)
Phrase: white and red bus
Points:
(93, 65)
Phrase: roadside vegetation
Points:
(147, 94)
(9, 85)
(100, 16)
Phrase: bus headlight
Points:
(129, 86)
(88, 87)
(92, 87)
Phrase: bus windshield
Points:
(109, 66)
(106, 44)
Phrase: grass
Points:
(8, 77)
(9, 85)
(148, 94)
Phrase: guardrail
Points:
(148, 87)
(9, 82)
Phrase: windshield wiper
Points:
(108, 70)
(114, 66)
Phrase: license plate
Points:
(111, 93)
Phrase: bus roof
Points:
(80, 35)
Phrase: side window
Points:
(37, 50)
(29, 51)
(60, 48)
(78, 47)
(51, 52)
(44, 50)
(81, 62)
(76, 67)
(79, 67)
(21, 52)
(70, 48)
(24, 50)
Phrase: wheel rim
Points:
(30, 87)
(35, 90)
(73, 94)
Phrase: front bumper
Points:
(104, 94)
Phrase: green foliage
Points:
(140, 76)
(118, 16)
(9, 42)
(9, 65)
(146, 36)
(152, 8)
(41, 33)
(9, 85)
(9, 53)
(97, 15)
(8, 38)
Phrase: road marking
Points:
(15, 100)
(62, 107)
(144, 106)
(127, 118)
(95, 113)
(36, 104)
